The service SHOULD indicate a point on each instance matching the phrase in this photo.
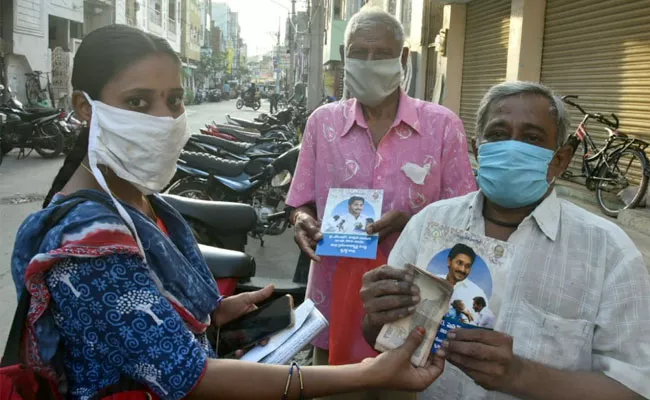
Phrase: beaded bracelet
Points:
(285, 396)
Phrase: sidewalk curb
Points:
(637, 219)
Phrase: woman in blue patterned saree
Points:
(123, 292)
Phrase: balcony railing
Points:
(171, 25)
(155, 17)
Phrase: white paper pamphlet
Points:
(347, 213)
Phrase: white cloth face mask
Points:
(372, 81)
(140, 148)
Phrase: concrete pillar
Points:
(526, 40)
(449, 74)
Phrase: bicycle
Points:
(602, 166)
(35, 93)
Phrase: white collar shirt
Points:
(576, 295)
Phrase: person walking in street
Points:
(299, 93)
(414, 151)
(274, 98)
(120, 293)
(574, 314)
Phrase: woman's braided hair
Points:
(103, 54)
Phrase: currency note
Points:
(435, 294)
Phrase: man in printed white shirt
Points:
(486, 318)
(354, 221)
(575, 318)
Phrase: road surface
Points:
(24, 183)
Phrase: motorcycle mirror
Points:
(281, 179)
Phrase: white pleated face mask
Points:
(372, 81)
(140, 148)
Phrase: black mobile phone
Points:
(256, 326)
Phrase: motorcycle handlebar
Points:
(277, 216)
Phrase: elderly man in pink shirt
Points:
(415, 151)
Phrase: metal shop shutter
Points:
(600, 51)
(487, 30)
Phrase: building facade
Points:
(337, 15)
(31, 31)
(596, 49)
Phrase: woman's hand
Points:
(393, 369)
(233, 307)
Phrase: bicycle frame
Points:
(614, 146)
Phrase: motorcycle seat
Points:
(282, 287)
(245, 136)
(238, 127)
(32, 116)
(248, 124)
(233, 147)
(224, 217)
(214, 165)
(225, 263)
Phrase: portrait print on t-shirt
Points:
(474, 265)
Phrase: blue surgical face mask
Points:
(513, 174)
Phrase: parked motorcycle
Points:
(199, 96)
(288, 122)
(247, 101)
(233, 150)
(3, 120)
(70, 127)
(238, 134)
(221, 229)
(31, 130)
(206, 177)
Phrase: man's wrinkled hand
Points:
(391, 222)
(388, 294)
(485, 356)
(307, 234)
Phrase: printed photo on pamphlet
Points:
(468, 271)
(475, 266)
(347, 213)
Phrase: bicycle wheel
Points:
(49, 141)
(623, 182)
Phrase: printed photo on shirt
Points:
(474, 265)
(347, 214)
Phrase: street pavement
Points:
(24, 183)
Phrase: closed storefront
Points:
(486, 52)
(600, 51)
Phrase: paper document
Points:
(434, 304)
(286, 338)
(347, 214)
(475, 266)
(315, 324)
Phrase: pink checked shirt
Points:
(338, 152)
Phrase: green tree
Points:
(209, 66)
